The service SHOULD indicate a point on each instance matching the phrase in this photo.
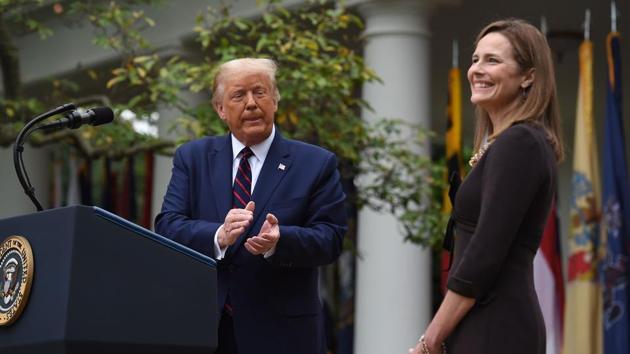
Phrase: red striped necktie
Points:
(242, 189)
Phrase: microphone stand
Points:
(18, 148)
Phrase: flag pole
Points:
(587, 25)
(455, 60)
(613, 17)
(543, 25)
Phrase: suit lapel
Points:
(220, 162)
(275, 167)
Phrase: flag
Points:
(110, 188)
(454, 128)
(56, 192)
(583, 312)
(85, 182)
(616, 213)
(453, 152)
(549, 282)
(147, 201)
(73, 196)
(127, 200)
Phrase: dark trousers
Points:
(227, 342)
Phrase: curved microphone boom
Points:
(72, 120)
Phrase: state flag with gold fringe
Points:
(583, 312)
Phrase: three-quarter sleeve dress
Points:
(500, 210)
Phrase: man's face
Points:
(248, 106)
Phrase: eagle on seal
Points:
(8, 282)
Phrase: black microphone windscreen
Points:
(102, 115)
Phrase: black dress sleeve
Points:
(513, 172)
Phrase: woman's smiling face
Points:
(496, 79)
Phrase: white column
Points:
(393, 301)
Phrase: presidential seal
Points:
(16, 276)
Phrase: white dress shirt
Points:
(256, 162)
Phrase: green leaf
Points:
(115, 80)
(142, 59)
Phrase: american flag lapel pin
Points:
(282, 167)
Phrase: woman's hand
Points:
(426, 346)
(453, 308)
(416, 350)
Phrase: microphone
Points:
(76, 118)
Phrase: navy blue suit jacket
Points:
(276, 302)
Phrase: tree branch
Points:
(8, 134)
(91, 152)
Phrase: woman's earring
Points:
(524, 92)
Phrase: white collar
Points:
(260, 150)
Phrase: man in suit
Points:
(268, 209)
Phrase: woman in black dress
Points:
(502, 206)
